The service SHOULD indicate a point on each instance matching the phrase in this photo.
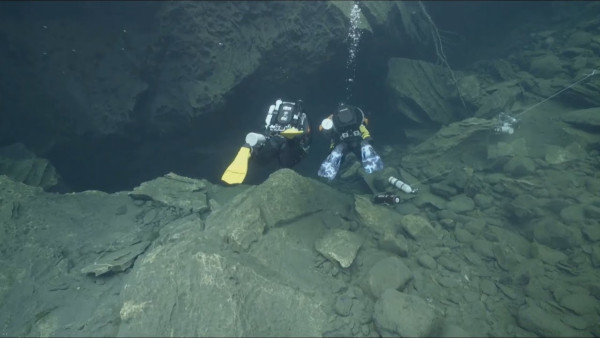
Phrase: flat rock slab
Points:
(340, 246)
(116, 261)
(174, 190)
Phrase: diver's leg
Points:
(371, 161)
(330, 167)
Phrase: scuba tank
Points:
(386, 198)
(254, 139)
(327, 124)
(401, 185)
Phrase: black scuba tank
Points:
(386, 198)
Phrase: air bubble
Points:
(354, 35)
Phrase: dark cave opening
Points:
(205, 147)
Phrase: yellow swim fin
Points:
(291, 133)
(236, 172)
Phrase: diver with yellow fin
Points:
(286, 137)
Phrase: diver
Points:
(348, 132)
(286, 137)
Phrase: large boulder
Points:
(285, 196)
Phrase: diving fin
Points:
(329, 168)
(371, 162)
(236, 172)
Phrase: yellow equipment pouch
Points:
(364, 132)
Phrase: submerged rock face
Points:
(174, 277)
(419, 94)
(191, 289)
(213, 289)
(65, 237)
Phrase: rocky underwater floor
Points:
(508, 246)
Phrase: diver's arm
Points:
(306, 138)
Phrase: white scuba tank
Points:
(253, 139)
(401, 185)
(327, 124)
